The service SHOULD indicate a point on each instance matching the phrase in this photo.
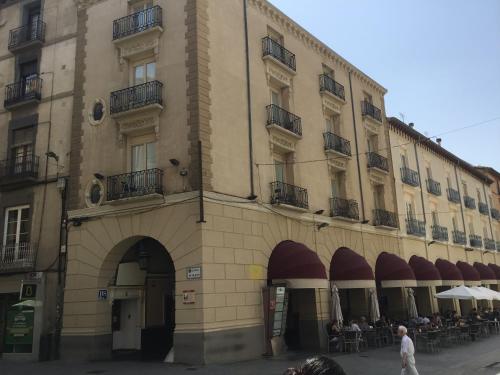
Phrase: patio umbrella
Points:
(463, 292)
(336, 309)
(374, 308)
(489, 292)
(412, 306)
(28, 303)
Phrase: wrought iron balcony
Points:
(27, 35)
(439, 233)
(284, 119)
(459, 237)
(282, 193)
(498, 245)
(136, 97)
(347, 208)
(18, 257)
(368, 109)
(415, 227)
(495, 214)
(489, 244)
(377, 161)
(470, 202)
(483, 208)
(409, 176)
(18, 169)
(335, 143)
(453, 195)
(433, 187)
(475, 240)
(327, 83)
(385, 218)
(138, 22)
(272, 48)
(135, 184)
(26, 91)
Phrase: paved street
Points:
(476, 358)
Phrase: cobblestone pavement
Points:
(477, 358)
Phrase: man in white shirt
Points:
(407, 353)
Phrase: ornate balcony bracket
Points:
(332, 104)
(281, 140)
(335, 164)
(138, 46)
(278, 73)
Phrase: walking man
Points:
(407, 353)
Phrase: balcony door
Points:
(143, 14)
(143, 157)
(21, 153)
(141, 93)
(16, 234)
(378, 197)
(28, 74)
(34, 20)
(144, 72)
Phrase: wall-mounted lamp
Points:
(53, 155)
(469, 249)
(431, 243)
(143, 257)
(319, 212)
(175, 162)
(322, 225)
(99, 176)
(365, 221)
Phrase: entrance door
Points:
(34, 20)
(127, 335)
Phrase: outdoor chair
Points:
(445, 337)
(465, 334)
(429, 342)
(384, 336)
(395, 337)
(372, 338)
(475, 331)
(351, 341)
(333, 341)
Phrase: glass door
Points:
(16, 234)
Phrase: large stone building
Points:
(37, 66)
(226, 169)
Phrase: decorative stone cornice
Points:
(312, 42)
(84, 4)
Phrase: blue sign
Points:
(102, 294)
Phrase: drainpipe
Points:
(252, 195)
(363, 217)
(421, 196)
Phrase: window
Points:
(435, 218)
(16, 232)
(479, 196)
(372, 143)
(378, 196)
(274, 35)
(464, 187)
(368, 97)
(485, 232)
(454, 222)
(327, 71)
(448, 181)
(21, 151)
(410, 210)
(404, 160)
(276, 97)
(338, 185)
(144, 73)
(333, 124)
(143, 156)
(471, 227)
(280, 170)
(429, 173)
(141, 5)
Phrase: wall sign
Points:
(188, 297)
(19, 328)
(28, 291)
(102, 294)
(193, 273)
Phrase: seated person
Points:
(364, 324)
(382, 322)
(436, 320)
(335, 335)
(354, 326)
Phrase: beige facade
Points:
(37, 65)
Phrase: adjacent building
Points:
(37, 68)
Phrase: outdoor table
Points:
(495, 325)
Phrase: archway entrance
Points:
(143, 302)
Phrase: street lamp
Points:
(143, 256)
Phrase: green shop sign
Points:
(19, 327)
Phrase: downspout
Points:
(363, 218)
(422, 197)
(252, 195)
(461, 203)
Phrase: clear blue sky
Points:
(439, 60)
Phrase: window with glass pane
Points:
(280, 171)
(276, 98)
(143, 156)
(16, 232)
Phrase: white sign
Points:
(193, 273)
(102, 294)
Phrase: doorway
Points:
(126, 324)
(301, 322)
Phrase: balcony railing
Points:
(459, 237)
(289, 194)
(495, 214)
(26, 90)
(19, 168)
(327, 83)
(483, 208)
(433, 187)
(489, 244)
(475, 240)
(17, 257)
(137, 22)
(135, 184)
(469, 202)
(368, 109)
(453, 195)
(409, 176)
(284, 119)
(347, 208)
(415, 227)
(25, 35)
(272, 48)
(385, 218)
(136, 97)
(335, 143)
(377, 161)
(439, 233)
(498, 245)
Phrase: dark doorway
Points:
(301, 322)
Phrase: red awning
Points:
(496, 269)
(486, 273)
(298, 265)
(471, 276)
(450, 273)
(426, 273)
(349, 270)
(393, 272)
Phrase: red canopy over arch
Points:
(471, 276)
(392, 271)
(449, 272)
(349, 270)
(486, 274)
(425, 271)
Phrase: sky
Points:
(438, 59)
